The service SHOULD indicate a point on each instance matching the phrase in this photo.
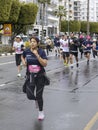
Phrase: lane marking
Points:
(91, 122)
(2, 85)
(7, 63)
(60, 68)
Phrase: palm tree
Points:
(60, 13)
(88, 17)
(43, 3)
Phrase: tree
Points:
(24, 21)
(20, 15)
(77, 26)
(28, 14)
(5, 7)
(64, 27)
(94, 27)
(74, 26)
(14, 12)
(83, 26)
(60, 12)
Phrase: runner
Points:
(65, 47)
(57, 45)
(18, 46)
(81, 40)
(95, 48)
(48, 43)
(61, 48)
(35, 59)
(74, 44)
(87, 45)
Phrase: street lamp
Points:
(68, 17)
(88, 17)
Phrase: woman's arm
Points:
(42, 61)
(23, 60)
(83, 46)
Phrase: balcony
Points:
(53, 18)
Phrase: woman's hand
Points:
(23, 61)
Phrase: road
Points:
(70, 102)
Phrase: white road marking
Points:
(11, 62)
(2, 85)
(6, 63)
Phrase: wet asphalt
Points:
(70, 101)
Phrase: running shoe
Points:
(18, 75)
(77, 64)
(87, 62)
(65, 63)
(71, 66)
(41, 115)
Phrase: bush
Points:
(6, 49)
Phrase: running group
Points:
(68, 48)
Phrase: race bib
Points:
(34, 68)
(18, 50)
(88, 45)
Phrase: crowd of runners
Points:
(69, 47)
(35, 59)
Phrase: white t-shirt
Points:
(65, 46)
(17, 46)
(61, 42)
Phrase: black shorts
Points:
(87, 52)
(65, 54)
(18, 59)
(74, 53)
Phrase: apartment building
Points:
(92, 12)
(96, 10)
(47, 21)
(77, 10)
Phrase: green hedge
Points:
(5, 49)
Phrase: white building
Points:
(50, 21)
(77, 10)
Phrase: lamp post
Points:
(88, 26)
(68, 17)
(42, 22)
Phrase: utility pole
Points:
(42, 22)
(88, 26)
(68, 17)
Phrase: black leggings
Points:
(39, 87)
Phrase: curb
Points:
(7, 54)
